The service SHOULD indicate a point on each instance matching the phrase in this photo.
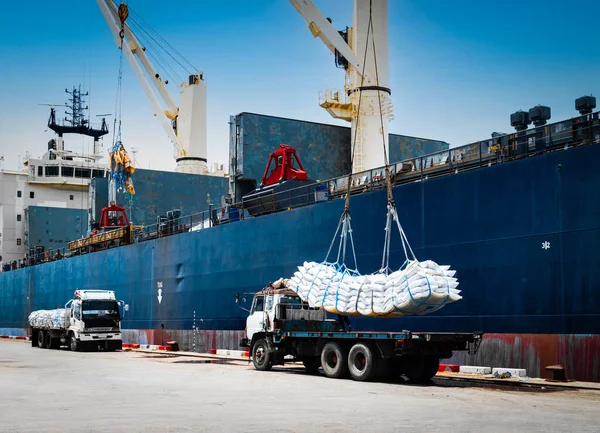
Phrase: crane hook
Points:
(123, 14)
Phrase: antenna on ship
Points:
(76, 114)
(74, 121)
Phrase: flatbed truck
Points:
(282, 328)
(91, 320)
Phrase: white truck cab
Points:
(95, 318)
(269, 305)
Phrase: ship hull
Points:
(523, 236)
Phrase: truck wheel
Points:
(48, 340)
(311, 365)
(73, 344)
(421, 368)
(430, 367)
(393, 370)
(362, 363)
(41, 339)
(261, 358)
(413, 368)
(333, 360)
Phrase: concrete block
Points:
(468, 369)
(514, 372)
(239, 353)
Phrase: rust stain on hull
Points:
(579, 354)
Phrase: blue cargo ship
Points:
(518, 217)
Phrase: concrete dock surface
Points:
(63, 391)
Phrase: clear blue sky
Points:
(457, 68)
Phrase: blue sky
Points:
(457, 68)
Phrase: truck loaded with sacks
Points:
(282, 327)
(288, 320)
(91, 320)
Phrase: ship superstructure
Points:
(58, 181)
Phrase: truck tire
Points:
(421, 368)
(74, 344)
(48, 340)
(41, 339)
(431, 364)
(412, 368)
(393, 370)
(362, 363)
(311, 365)
(333, 360)
(261, 358)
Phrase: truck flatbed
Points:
(403, 335)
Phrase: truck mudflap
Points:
(473, 346)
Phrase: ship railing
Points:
(37, 256)
(497, 150)
(502, 148)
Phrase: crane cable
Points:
(344, 223)
(121, 167)
(123, 13)
(362, 81)
(392, 213)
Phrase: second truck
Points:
(282, 328)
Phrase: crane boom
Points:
(185, 125)
(132, 48)
(320, 27)
(366, 102)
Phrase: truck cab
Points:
(274, 313)
(271, 308)
(95, 319)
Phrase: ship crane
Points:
(185, 124)
(367, 77)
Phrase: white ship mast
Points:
(367, 77)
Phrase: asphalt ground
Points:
(60, 391)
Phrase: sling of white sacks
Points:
(419, 288)
(52, 319)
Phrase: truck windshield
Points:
(108, 309)
(291, 300)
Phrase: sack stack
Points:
(49, 319)
(416, 289)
